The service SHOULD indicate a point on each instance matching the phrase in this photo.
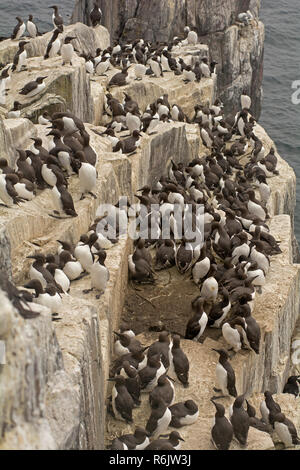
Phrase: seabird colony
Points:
(228, 266)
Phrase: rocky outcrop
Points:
(237, 49)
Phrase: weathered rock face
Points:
(161, 20)
(238, 50)
(150, 89)
(54, 383)
(203, 363)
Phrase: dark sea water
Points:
(40, 10)
(280, 116)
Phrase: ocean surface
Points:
(280, 117)
(40, 10)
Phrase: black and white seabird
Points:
(129, 145)
(120, 78)
(62, 199)
(122, 402)
(8, 194)
(44, 119)
(125, 344)
(197, 324)
(19, 60)
(165, 255)
(19, 29)
(164, 389)
(96, 14)
(269, 408)
(54, 45)
(61, 151)
(255, 422)
(179, 363)
(159, 419)
(32, 27)
(205, 69)
(162, 347)
(67, 50)
(137, 441)
(23, 166)
(39, 272)
(156, 67)
(222, 430)
(72, 268)
(15, 112)
(87, 176)
(60, 277)
(132, 381)
(292, 385)
(150, 374)
(83, 254)
(34, 87)
(225, 375)
(25, 188)
(285, 430)
(240, 420)
(16, 297)
(99, 273)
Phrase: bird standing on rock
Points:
(122, 402)
(57, 19)
(62, 199)
(19, 29)
(240, 420)
(159, 419)
(54, 45)
(222, 431)
(179, 363)
(225, 375)
(20, 57)
(67, 50)
(87, 176)
(99, 273)
(120, 78)
(184, 413)
(32, 28)
(96, 14)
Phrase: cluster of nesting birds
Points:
(232, 256)
(231, 261)
(69, 152)
(149, 59)
(56, 45)
(135, 372)
(51, 275)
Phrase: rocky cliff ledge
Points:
(237, 49)
(54, 383)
